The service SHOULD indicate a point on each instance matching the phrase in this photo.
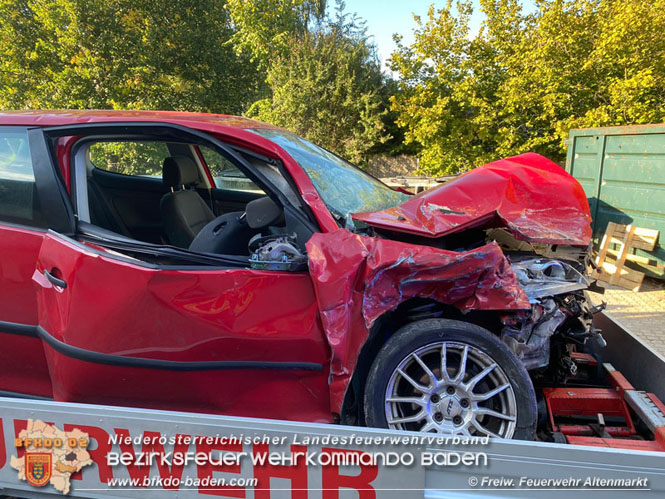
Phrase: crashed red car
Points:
(212, 263)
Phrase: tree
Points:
(171, 54)
(265, 29)
(526, 80)
(327, 87)
(623, 76)
(446, 91)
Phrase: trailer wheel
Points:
(453, 378)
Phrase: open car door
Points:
(211, 337)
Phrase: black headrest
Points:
(263, 212)
(179, 170)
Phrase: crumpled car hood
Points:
(531, 196)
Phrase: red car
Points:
(216, 264)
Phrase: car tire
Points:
(448, 405)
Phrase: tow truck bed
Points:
(510, 469)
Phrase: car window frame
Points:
(33, 226)
(80, 159)
(61, 204)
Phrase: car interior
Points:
(158, 193)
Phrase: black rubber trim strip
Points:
(19, 329)
(143, 363)
(168, 365)
(17, 395)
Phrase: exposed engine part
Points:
(560, 315)
(509, 243)
(596, 339)
(531, 342)
(558, 321)
(598, 308)
(276, 252)
(541, 277)
(566, 368)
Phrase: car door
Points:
(212, 338)
(22, 228)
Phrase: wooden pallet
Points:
(627, 238)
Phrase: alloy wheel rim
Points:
(451, 388)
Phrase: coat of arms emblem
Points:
(38, 468)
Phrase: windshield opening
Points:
(344, 188)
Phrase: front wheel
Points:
(453, 378)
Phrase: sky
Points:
(385, 17)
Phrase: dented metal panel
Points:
(533, 197)
(356, 276)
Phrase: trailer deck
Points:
(610, 452)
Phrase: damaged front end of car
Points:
(560, 316)
(504, 245)
(539, 216)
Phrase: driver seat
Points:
(184, 212)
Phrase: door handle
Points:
(54, 280)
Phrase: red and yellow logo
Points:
(51, 455)
(38, 468)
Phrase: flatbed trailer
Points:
(344, 461)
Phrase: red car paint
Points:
(22, 363)
(358, 279)
(536, 199)
(181, 316)
(123, 308)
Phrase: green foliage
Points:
(316, 76)
(526, 80)
(266, 28)
(461, 100)
(130, 158)
(392, 143)
(327, 87)
(438, 92)
(136, 54)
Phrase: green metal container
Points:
(622, 170)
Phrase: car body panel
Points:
(358, 278)
(533, 197)
(22, 361)
(18, 302)
(44, 118)
(112, 310)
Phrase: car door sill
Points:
(17, 395)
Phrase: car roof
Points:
(71, 117)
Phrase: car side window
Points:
(136, 158)
(225, 174)
(19, 202)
